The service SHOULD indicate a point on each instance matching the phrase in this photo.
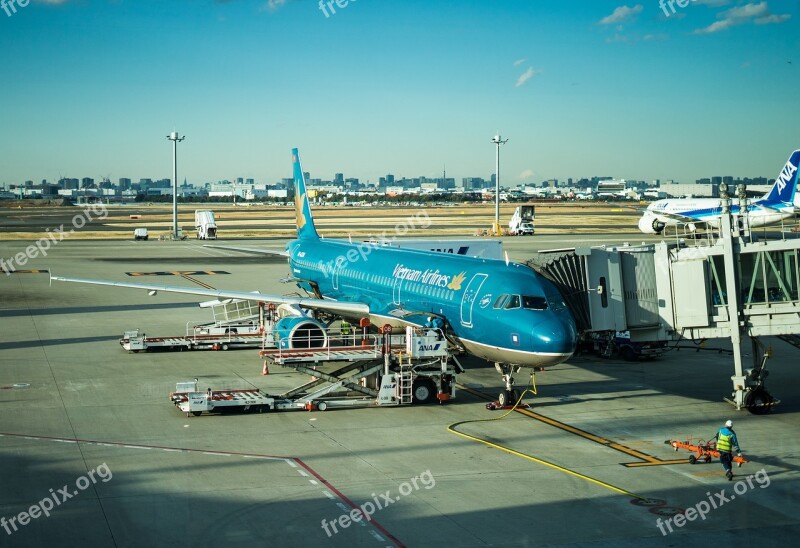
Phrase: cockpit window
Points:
(555, 299)
(501, 300)
(513, 302)
(534, 303)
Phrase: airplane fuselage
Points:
(500, 312)
(708, 210)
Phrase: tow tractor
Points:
(381, 370)
(702, 450)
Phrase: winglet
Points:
(305, 223)
(783, 191)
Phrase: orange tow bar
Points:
(702, 450)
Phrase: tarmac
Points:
(585, 465)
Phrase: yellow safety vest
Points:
(724, 442)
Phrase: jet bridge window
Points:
(534, 303)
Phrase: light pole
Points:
(175, 140)
(497, 141)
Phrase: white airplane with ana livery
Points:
(779, 204)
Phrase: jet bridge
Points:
(727, 285)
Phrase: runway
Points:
(586, 465)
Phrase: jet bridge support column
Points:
(729, 243)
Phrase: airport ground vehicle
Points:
(382, 370)
(140, 234)
(205, 224)
(522, 222)
(618, 343)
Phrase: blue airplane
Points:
(500, 311)
(780, 203)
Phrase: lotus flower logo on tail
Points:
(305, 224)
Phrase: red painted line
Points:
(350, 503)
(297, 460)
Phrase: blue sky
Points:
(580, 88)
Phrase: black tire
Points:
(514, 396)
(224, 346)
(628, 354)
(197, 413)
(758, 401)
(423, 392)
(503, 398)
(322, 406)
(692, 459)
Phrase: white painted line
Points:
(302, 473)
(329, 495)
(313, 482)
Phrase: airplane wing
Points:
(315, 304)
(250, 250)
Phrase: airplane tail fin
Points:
(305, 223)
(785, 187)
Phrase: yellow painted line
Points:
(179, 273)
(28, 271)
(596, 481)
(657, 463)
(650, 460)
(198, 282)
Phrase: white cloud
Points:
(527, 174)
(518, 62)
(756, 13)
(746, 11)
(525, 76)
(770, 19)
(621, 14)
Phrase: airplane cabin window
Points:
(501, 300)
(513, 302)
(534, 303)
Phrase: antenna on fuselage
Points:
(506, 254)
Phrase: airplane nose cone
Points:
(555, 337)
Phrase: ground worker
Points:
(726, 440)
(345, 330)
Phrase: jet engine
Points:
(651, 225)
(300, 332)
